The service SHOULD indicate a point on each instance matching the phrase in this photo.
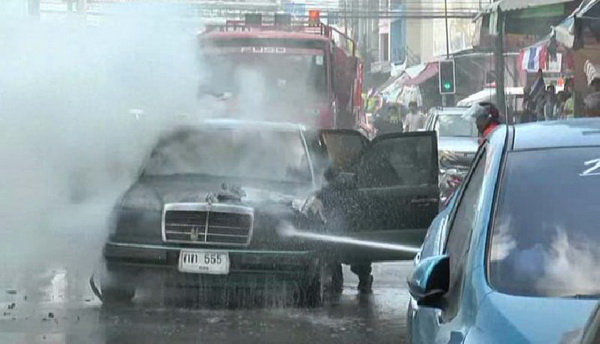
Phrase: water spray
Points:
(288, 230)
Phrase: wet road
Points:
(45, 297)
(56, 305)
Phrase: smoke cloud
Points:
(80, 108)
(553, 263)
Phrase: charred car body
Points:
(211, 204)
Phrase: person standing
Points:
(561, 97)
(527, 111)
(536, 97)
(550, 101)
(415, 119)
(568, 110)
(389, 120)
(592, 100)
(338, 203)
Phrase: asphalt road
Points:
(52, 304)
(45, 297)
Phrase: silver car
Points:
(457, 144)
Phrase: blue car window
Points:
(457, 245)
(545, 234)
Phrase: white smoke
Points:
(69, 140)
(571, 265)
(558, 264)
(503, 241)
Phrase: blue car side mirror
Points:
(430, 281)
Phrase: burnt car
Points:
(213, 206)
(208, 204)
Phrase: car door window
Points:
(399, 160)
(344, 147)
(458, 241)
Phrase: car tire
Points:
(312, 292)
(337, 278)
(117, 295)
(116, 289)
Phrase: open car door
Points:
(394, 194)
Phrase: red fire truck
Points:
(307, 73)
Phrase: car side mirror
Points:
(430, 281)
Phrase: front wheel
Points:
(116, 288)
(312, 292)
(117, 295)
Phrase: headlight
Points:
(139, 214)
(142, 198)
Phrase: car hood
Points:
(458, 144)
(185, 190)
(516, 319)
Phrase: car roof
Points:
(457, 110)
(556, 134)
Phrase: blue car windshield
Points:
(545, 235)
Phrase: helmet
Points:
(483, 109)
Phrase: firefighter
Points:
(340, 208)
(389, 119)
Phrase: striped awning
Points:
(514, 5)
(592, 71)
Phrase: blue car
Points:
(514, 257)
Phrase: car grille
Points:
(209, 224)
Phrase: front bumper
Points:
(246, 266)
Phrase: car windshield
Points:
(456, 125)
(251, 154)
(545, 235)
(267, 77)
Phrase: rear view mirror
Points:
(430, 280)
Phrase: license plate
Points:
(204, 262)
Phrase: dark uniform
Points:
(344, 208)
(389, 120)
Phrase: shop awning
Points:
(565, 32)
(426, 72)
(592, 71)
(532, 17)
(514, 5)
(587, 15)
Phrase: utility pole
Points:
(345, 18)
(499, 64)
(447, 99)
(447, 34)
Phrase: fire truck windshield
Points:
(266, 74)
